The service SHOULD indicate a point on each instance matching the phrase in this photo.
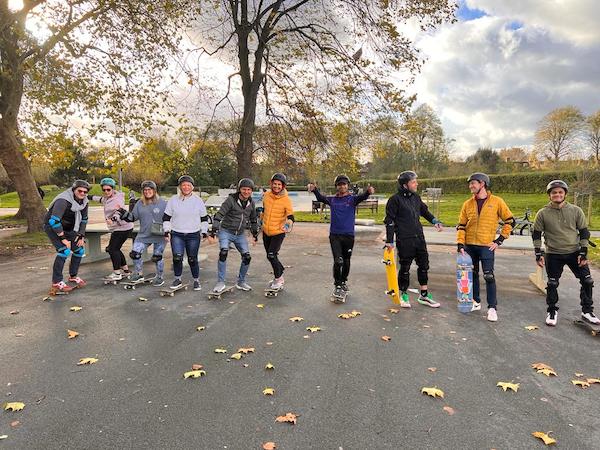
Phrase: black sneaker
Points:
(176, 283)
(197, 286)
(344, 287)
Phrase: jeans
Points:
(409, 249)
(241, 243)
(341, 248)
(117, 239)
(272, 246)
(554, 268)
(481, 253)
(185, 243)
(159, 248)
(62, 255)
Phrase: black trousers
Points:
(272, 246)
(341, 247)
(409, 249)
(62, 254)
(554, 268)
(117, 239)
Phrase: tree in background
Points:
(484, 160)
(211, 163)
(558, 132)
(593, 134)
(342, 157)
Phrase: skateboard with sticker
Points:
(270, 292)
(170, 292)
(213, 295)
(132, 284)
(391, 273)
(464, 282)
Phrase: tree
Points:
(558, 132)
(484, 160)
(88, 58)
(302, 55)
(211, 163)
(345, 145)
(593, 134)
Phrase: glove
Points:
(255, 236)
(460, 247)
(539, 254)
(204, 235)
(583, 253)
(436, 221)
(499, 240)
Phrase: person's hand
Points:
(389, 245)
(460, 248)
(79, 242)
(541, 262)
(310, 187)
(582, 257)
(539, 257)
(66, 242)
(438, 226)
(167, 237)
(211, 239)
(493, 246)
(109, 222)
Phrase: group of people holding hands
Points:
(183, 222)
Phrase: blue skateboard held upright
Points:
(464, 282)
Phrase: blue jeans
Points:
(185, 243)
(241, 243)
(481, 253)
(159, 248)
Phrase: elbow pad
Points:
(584, 233)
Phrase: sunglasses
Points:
(106, 189)
(81, 191)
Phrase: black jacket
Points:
(402, 213)
(60, 217)
(234, 217)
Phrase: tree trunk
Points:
(17, 167)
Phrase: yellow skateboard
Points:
(391, 273)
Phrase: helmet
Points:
(341, 179)
(406, 176)
(245, 182)
(481, 177)
(108, 182)
(149, 184)
(555, 184)
(80, 183)
(279, 177)
(185, 178)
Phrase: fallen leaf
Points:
(83, 361)
(394, 310)
(532, 327)
(578, 374)
(269, 446)
(4, 436)
(71, 334)
(544, 437)
(432, 392)
(593, 380)
(386, 338)
(349, 315)
(289, 418)
(220, 350)
(296, 319)
(197, 366)
(15, 423)
(245, 365)
(246, 350)
(268, 391)
(432, 369)
(75, 308)
(142, 299)
(538, 366)
(506, 385)
(200, 328)
(47, 299)
(547, 372)
(194, 374)
(269, 366)
(581, 383)
(13, 406)
(449, 410)
(453, 332)
(236, 356)
(313, 329)
(387, 319)
(14, 312)
(260, 305)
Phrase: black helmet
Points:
(555, 184)
(184, 178)
(279, 177)
(149, 184)
(406, 176)
(481, 177)
(80, 183)
(341, 179)
(245, 182)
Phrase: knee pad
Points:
(135, 255)
(588, 281)
(489, 277)
(192, 260)
(271, 256)
(63, 252)
(339, 261)
(79, 253)
(223, 254)
(552, 283)
(177, 257)
(246, 258)
(156, 258)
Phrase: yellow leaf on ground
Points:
(220, 350)
(194, 374)
(83, 361)
(72, 334)
(394, 310)
(236, 356)
(269, 366)
(269, 446)
(260, 305)
(355, 313)
(200, 328)
(506, 385)
(539, 366)
(593, 380)
(578, 374)
(547, 372)
(246, 350)
(75, 308)
(544, 437)
(581, 383)
(142, 299)
(386, 338)
(296, 319)
(532, 327)
(432, 391)
(432, 369)
(289, 418)
(313, 329)
(268, 391)
(13, 406)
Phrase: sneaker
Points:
(345, 287)
(114, 276)
(551, 318)
(428, 301)
(338, 294)
(158, 281)
(197, 286)
(404, 303)
(126, 273)
(492, 315)
(219, 287)
(176, 283)
(61, 286)
(136, 277)
(476, 306)
(277, 283)
(243, 286)
(590, 317)
(78, 281)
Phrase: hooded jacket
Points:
(234, 217)
(402, 215)
(278, 208)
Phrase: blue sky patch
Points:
(465, 13)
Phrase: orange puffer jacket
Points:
(277, 209)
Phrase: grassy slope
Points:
(11, 200)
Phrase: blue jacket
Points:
(343, 211)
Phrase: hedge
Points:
(524, 183)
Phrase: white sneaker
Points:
(551, 318)
(219, 287)
(114, 276)
(243, 286)
(476, 306)
(277, 283)
(492, 315)
(591, 318)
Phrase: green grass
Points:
(10, 222)
(11, 199)
(13, 245)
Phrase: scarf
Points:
(75, 206)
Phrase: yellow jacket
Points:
(277, 209)
(480, 228)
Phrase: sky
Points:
(494, 74)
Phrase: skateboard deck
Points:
(391, 273)
(170, 292)
(339, 298)
(592, 328)
(464, 282)
(212, 295)
(272, 292)
(133, 284)
(53, 292)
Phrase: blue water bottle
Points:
(464, 282)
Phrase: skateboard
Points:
(269, 292)
(170, 292)
(107, 280)
(391, 273)
(339, 298)
(464, 282)
(212, 295)
(592, 328)
(133, 284)
(53, 292)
